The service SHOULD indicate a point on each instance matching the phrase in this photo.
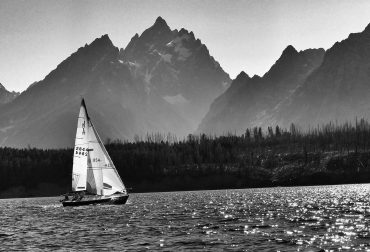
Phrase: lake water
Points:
(330, 218)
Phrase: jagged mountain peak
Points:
(288, 54)
(158, 34)
(242, 76)
(289, 51)
(286, 59)
(85, 59)
(160, 22)
(135, 37)
(97, 46)
(241, 82)
(159, 26)
(291, 60)
(185, 31)
(6, 96)
(103, 41)
(256, 77)
(313, 50)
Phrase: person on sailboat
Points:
(81, 195)
(65, 198)
(75, 196)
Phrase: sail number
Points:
(95, 160)
(81, 151)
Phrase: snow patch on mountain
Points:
(166, 57)
(183, 52)
(133, 64)
(170, 44)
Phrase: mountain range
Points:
(337, 91)
(162, 82)
(166, 81)
(249, 101)
(307, 88)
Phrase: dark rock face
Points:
(151, 86)
(252, 101)
(6, 96)
(307, 88)
(338, 91)
(178, 67)
(45, 114)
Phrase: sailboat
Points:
(95, 179)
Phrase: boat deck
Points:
(91, 200)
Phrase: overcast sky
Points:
(36, 35)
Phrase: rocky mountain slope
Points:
(6, 96)
(250, 102)
(338, 91)
(151, 86)
(45, 114)
(178, 67)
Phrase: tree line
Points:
(330, 153)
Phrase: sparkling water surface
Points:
(317, 218)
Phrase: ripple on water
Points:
(316, 218)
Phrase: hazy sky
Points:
(35, 36)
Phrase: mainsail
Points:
(101, 176)
(80, 151)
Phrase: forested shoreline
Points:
(328, 154)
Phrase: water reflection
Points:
(327, 218)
